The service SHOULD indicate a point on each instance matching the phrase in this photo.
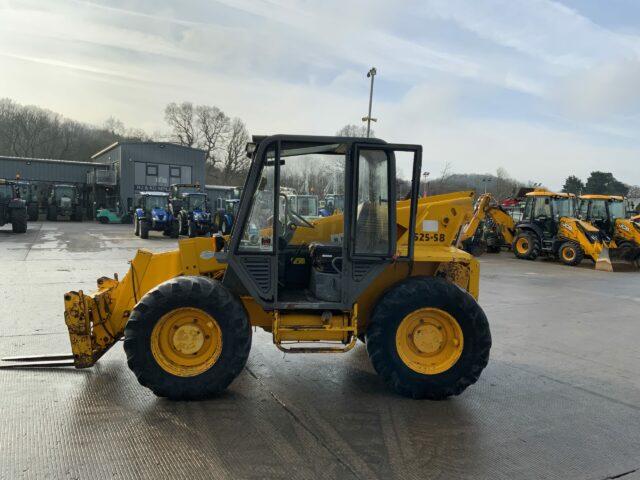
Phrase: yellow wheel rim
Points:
(522, 245)
(569, 254)
(186, 342)
(429, 341)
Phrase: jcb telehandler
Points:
(490, 228)
(549, 226)
(13, 209)
(609, 214)
(385, 268)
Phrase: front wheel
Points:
(188, 338)
(136, 227)
(527, 245)
(104, 220)
(144, 229)
(19, 221)
(191, 230)
(570, 253)
(428, 338)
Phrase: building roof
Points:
(50, 160)
(117, 144)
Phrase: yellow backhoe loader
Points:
(609, 214)
(385, 268)
(490, 228)
(549, 227)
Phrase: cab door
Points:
(372, 207)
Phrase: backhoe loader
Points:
(385, 268)
(490, 228)
(548, 227)
(609, 214)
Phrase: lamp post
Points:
(426, 185)
(485, 181)
(370, 74)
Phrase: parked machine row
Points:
(558, 225)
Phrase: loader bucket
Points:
(603, 263)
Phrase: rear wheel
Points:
(188, 338)
(191, 230)
(428, 339)
(32, 213)
(103, 220)
(52, 213)
(570, 253)
(174, 229)
(527, 245)
(144, 229)
(19, 221)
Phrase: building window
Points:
(152, 170)
(175, 172)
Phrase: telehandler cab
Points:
(385, 268)
(549, 226)
(609, 214)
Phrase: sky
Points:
(543, 89)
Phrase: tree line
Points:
(599, 183)
(34, 132)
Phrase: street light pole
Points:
(426, 185)
(370, 74)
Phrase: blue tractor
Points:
(190, 206)
(152, 213)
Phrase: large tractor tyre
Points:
(77, 215)
(184, 225)
(19, 221)
(428, 338)
(192, 230)
(174, 230)
(188, 338)
(136, 227)
(52, 213)
(527, 245)
(144, 229)
(32, 213)
(217, 222)
(570, 253)
(628, 252)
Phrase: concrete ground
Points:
(560, 397)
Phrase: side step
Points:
(38, 361)
(324, 332)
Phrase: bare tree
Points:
(235, 160)
(352, 130)
(182, 120)
(214, 128)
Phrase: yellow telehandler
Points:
(549, 227)
(609, 214)
(385, 268)
(490, 227)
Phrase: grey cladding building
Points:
(151, 166)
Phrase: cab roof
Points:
(615, 198)
(547, 193)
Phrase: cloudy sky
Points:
(542, 88)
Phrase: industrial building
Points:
(148, 166)
(115, 175)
